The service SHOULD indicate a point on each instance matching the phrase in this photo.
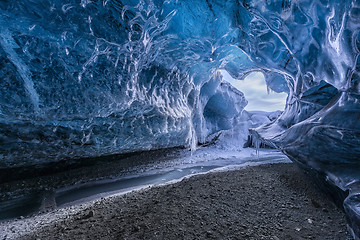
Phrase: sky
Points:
(255, 91)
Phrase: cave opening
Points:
(259, 96)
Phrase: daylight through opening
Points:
(258, 95)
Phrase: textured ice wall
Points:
(88, 78)
(91, 78)
(320, 126)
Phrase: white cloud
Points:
(255, 91)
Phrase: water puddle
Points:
(186, 165)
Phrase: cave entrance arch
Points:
(258, 95)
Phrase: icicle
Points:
(255, 141)
(192, 138)
(257, 144)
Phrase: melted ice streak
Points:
(9, 46)
(121, 76)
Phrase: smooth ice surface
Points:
(89, 78)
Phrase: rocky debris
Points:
(263, 202)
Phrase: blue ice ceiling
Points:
(91, 78)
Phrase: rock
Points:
(89, 215)
(315, 203)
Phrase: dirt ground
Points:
(274, 201)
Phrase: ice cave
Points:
(82, 79)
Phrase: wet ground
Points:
(40, 194)
(271, 201)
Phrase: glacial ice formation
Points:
(86, 78)
(82, 78)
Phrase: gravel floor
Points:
(273, 201)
